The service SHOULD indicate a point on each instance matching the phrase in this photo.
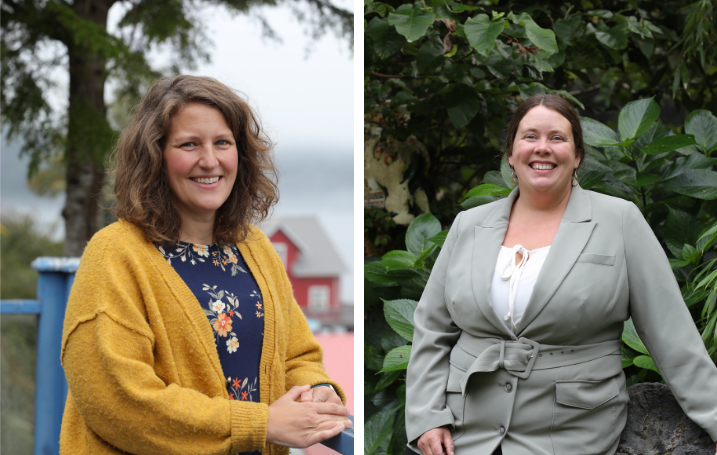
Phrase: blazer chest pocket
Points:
(585, 414)
(599, 259)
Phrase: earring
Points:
(575, 178)
(513, 177)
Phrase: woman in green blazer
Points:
(544, 376)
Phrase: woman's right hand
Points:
(294, 424)
(433, 442)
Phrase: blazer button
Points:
(508, 387)
(501, 430)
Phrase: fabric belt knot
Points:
(521, 357)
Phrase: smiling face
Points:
(200, 161)
(544, 155)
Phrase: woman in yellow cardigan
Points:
(181, 334)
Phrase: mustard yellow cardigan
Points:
(142, 367)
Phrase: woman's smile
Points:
(205, 181)
(543, 154)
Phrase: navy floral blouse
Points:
(230, 297)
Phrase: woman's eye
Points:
(558, 138)
(222, 142)
(187, 144)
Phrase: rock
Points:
(656, 425)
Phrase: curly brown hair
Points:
(556, 103)
(144, 197)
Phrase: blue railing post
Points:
(343, 442)
(55, 278)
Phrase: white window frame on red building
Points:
(319, 300)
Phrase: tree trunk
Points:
(86, 146)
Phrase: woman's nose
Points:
(208, 157)
(543, 146)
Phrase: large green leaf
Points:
(419, 231)
(630, 337)
(637, 117)
(698, 183)
(656, 131)
(430, 56)
(615, 37)
(707, 237)
(644, 361)
(376, 272)
(399, 315)
(391, 340)
(668, 144)
(627, 356)
(498, 65)
(642, 179)
(588, 179)
(596, 133)
(677, 263)
(371, 358)
(397, 359)
(682, 164)
(377, 428)
(385, 38)
(681, 228)
(488, 189)
(398, 259)
(690, 254)
(440, 238)
(469, 203)
(482, 32)
(703, 125)
(399, 439)
(623, 172)
(541, 37)
(495, 178)
(463, 104)
(411, 21)
(386, 380)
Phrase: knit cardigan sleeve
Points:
(111, 360)
(303, 356)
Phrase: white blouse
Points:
(513, 283)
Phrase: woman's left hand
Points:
(321, 394)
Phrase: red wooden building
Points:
(312, 263)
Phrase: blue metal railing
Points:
(55, 278)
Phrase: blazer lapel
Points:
(572, 236)
(488, 237)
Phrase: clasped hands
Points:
(319, 415)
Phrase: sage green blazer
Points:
(556, 385)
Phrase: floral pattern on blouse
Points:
(220, 314)
(242, 390)
(230, 298)
(195, 252)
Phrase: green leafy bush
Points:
(451, 73)
(668, 176)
